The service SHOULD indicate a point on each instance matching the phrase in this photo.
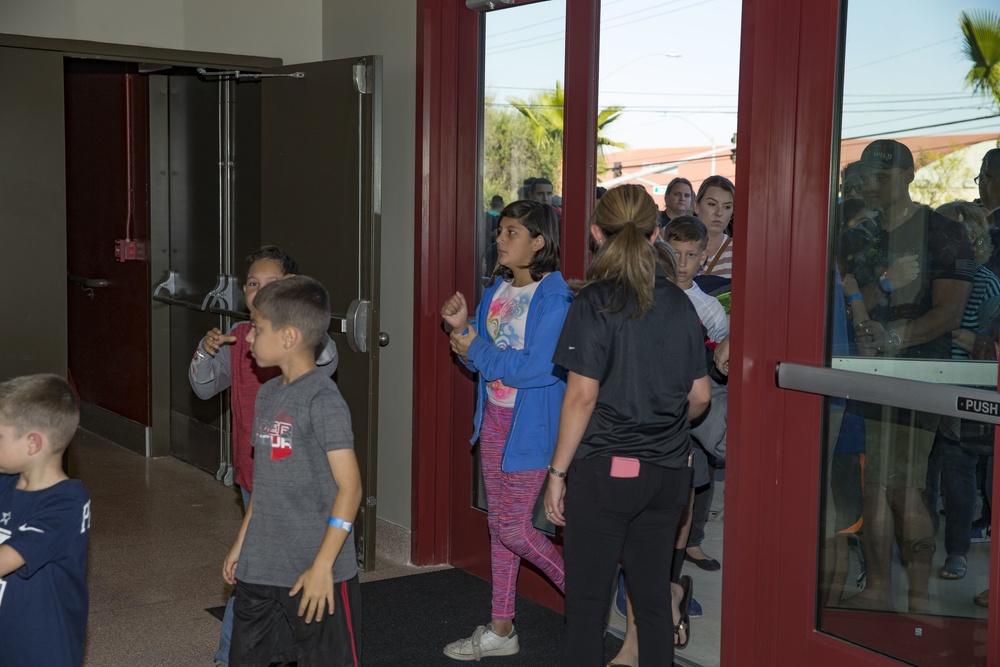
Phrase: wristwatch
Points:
(894, 339)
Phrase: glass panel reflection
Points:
(905, 524)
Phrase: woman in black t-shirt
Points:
(633, 346)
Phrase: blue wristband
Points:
(337, 522)
(853, 297)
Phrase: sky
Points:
(674, 65)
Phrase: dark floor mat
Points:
(409, 620)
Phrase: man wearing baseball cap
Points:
(910, 320)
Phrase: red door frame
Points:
(787, 100)
(445, 527)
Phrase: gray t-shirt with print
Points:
(295, 425)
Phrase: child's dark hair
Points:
(540, 220)
(42, 402)
(299, 301)
(685, 228)
(275, 254)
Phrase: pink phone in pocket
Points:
(622, 466)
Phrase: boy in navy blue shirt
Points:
(44, 522)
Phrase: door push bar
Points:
(222, 299)
(944, 399)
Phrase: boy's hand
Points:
(215, 339)
(455, 312)
(316, 585)
(230, 563)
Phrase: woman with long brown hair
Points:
(619, 479)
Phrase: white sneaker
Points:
(483, 643)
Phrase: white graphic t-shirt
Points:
(505, 320)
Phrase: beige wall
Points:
(290, 29)
(297, 31)
(388, 28)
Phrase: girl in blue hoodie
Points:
(510, 345)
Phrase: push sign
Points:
(978, 406)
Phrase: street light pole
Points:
(705, 134)
(636, 59)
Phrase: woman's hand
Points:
(555, 495)
(455, 312)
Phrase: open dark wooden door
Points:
(321, 200)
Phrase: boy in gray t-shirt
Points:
(294, 563)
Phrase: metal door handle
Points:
(87, 283)
(383, 339)
(357, 325)
(944, 399)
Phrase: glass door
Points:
(861, 477)
(909, 370)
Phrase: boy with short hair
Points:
(44, 522)
(294, 563)
(688, 236)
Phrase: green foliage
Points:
(943, 179)
(511, 153)
(981, 29)
(525, 139)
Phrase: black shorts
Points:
(267, 627)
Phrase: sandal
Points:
(955, 567)
(685, 623)
(983, 599)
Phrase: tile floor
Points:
(159, 532)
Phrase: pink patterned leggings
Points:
(510, 499)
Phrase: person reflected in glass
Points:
(676, 201)
(988, 182)
(540, 191)
(634, 349)
(850, 182)
(911, 321)
(951, 470)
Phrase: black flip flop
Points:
(688, 585)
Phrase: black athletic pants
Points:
(635, 519)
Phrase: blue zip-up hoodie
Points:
(540, 384)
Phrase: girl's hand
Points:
(455, 312)
(215, 339)
(555, 495)
(850, 285)
(460, 344)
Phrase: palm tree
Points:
(981, 28)
(545, 113)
